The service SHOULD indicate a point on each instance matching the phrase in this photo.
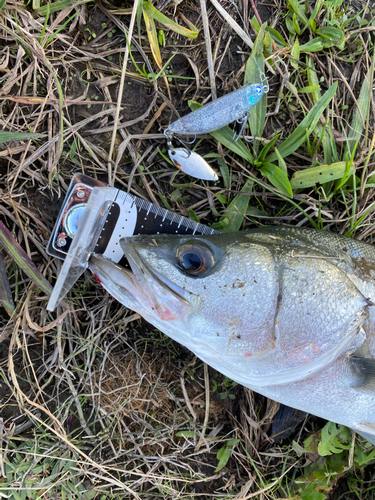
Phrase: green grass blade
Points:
(52, 37)
(168, 23)
(6, 299)
(17, 136)
(316, 95)
(308, 124)
(152, 37)
(57, 6)
(20, 257)
(313, 79)
(225, 137)
(360, 114)
(283, 197)
(41, 37)
(319, 175)
(236, 210)
(254, 66)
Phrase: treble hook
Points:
(242, 121)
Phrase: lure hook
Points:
(242, 121)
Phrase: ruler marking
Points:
(131, 212)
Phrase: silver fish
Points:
(288, 312)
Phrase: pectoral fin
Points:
(363, 373)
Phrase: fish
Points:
(288, 312)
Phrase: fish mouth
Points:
(143, 289)
(141, 269)
(167, 299)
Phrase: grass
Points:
(95, 403)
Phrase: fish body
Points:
(221, 112)
(287, 312)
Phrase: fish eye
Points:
(259, 89)
(194, 260)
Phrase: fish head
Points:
(193, 288)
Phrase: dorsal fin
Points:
(363, 372)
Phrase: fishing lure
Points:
(192, 164)
(234, 106)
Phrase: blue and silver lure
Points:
(227, 109)
(234, 106)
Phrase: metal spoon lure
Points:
(189, 162)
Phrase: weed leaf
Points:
(237, 208)
(276, 37)
(330, 442)
(277, 177)
(310, 177)
(223, 455)
(298, 136)
(314, 45)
